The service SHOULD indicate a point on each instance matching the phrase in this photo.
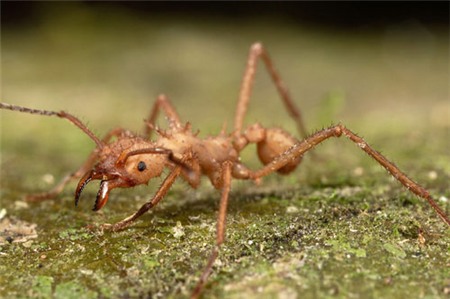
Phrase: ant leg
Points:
(336, 131)
(162, 103)
(162, 191)
(75, 175)
(60, 186)
(220, 235)
(257, 51)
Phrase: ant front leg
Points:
(87, 165)
(257, 51)
(159, 195)
(337, 131)
(67, 179)
(162, 103)
(220, 234)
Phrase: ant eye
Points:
(141, 166)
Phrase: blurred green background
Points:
(382, 70)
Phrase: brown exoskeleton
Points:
(123, 159)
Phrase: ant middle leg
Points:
(257, 51)
(337, 131)
(220, 232)
(162, 103)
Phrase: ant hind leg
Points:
(337, 131)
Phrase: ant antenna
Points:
(61, 114)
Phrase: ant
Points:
(123, 159)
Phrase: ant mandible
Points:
(122, 159)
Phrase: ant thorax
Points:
(205, 155)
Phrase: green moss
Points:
(395, 250)
(73, 290)
(42, 287)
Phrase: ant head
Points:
(124, 163)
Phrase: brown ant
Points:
(130, 160)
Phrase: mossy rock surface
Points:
(338, 227)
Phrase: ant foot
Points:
(101, 227)
(107, 227)
(38, 197)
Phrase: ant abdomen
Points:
(276, 142)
